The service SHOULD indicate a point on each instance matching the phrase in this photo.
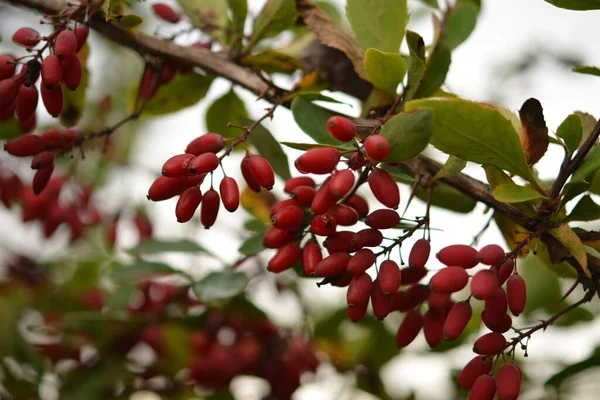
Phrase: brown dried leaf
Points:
(534, 132)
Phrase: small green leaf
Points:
(416, 63)
(384, 70)
(74, 101)
(408, 134)
(239, 11)
(461, 22)
(217, 287)
(228, 108)
(154, 246)
(585, 210)
(308, 146)
(513, 193)
(311, 95)
(591, 164)
(140, 269)
(436, 69)
(571, 241)
(272, 61)
(311, 119)
(378, 24)
(589, 70)
(253, 245)
(475, 132)
(127, 21)
(204, 13)
(275, 17)
(452, 166)
(268, 147)
(580, 5)
(571, 370)
(570, 131)
(9, 129)
(183, 91)
(495, 176)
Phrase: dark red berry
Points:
(359, 204)
(377, 147)
(323, 199)
(27, 101)
(65, 44)
(341, 241)
(7, 66)
(344, 215)
(206, 162)
(489, 344)
(433, 327)
(210, 208)
(419, 253)
(304, 195)
(166, 12)
(341, 128)
(359, 290)
(412, 275)
(508, 382)
(341, 183)
(457, 320)
(41, 179)
(42, 160)
(230, 193)
(504, 271)
(458, 255)
(409, 328)
(288, 218)
(484, 284)
(369, 237)
(323, 225)
(389, 277)
(53, 100)
(24, 145)
(207, 143)
(382, 304)
(311, 256)
(358, 312)
(496, 306)
(276, 238)
(188, 204)
(516, 293)
(320, 160)
(474, 369)
(177, 165)
(484, 388)
(52, 72)
(491, 254)
(285, 258)
(72, 72)
(262, 171)
(384, 188)
(449, 280)
(361, 261)
(26, 37)
(438, 300)
(383, 219)
(81, 34)
(293, 183)
(333, 264)
(9, 88)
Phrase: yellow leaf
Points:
(571, 241)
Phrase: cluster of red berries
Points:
(183, 174)
(62, 67)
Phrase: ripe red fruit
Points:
(489, 344)
(311, 256)
(149, 84)
(384, 188)
(177, 165)
(356, 161)
(359, 204)
(438, 300)
(433, 327)
(382, 304)
(230, 193)
(412, 275)
(9, 88)
(285, 258)
(262, 171)
(164, 188)
(484, 284)
(496, 306)
(281, 204)
(26, 37)
(344, 215)
(333, 264)
(457, 320)
(458, 254)
(53, 100)
(293, 183)
(501, 326)
(484, 388)
(27, 100)
(419, 253)
(323, 199)
(275, 238)
(51, 71)
(508, 381)
(8, 112)
(341, 183)
(203, 163)
(491, 254)
(319, 160)
(516, 292)
(81, 33)
(42, 160)
(474, 369)
(41, 179)
(377, 147)
(7, 66)
(288, 218)
(341, 128)
(323, 225)
(504, 271)
(210, 208)
(361, 261)
(166, 12)
(304, 195)
(28, 124)
(65, 44)
(72, 72)
(409, 328)
(341, 280)
(188, 204)
(359, 290)
(389, 277)
(369, 237)
(449, 280)
(383, 219)
(24, 145)
(358, 312)
(341, 241)
(207, 143)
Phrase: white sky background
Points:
(506, 30)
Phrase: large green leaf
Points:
(154, 246)
(270, 148)
(436, 69)
(453, 166)
(75, 100)
(585, 210)
(217, 287)
(513, 193)
(576, 4)
(384, 70)
(253, 245)
(461, 22)
(183, 91)
(416, 63)
(543, 287)
(570, 131)
(311, 119)
(228, 108)
(211, 13)
(408, 134)
(475, 132)
(275, 17)
(378, 24)
(239, 11)
(589, 70)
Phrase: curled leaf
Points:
(534, 132)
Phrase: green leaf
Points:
(140, 269)
(475, 132)
(416, 63)
(571, 241)
(384, 70)
(570, 131)
(461, 22)
(447, 197)
(308, 146)
(590, 164)
(436, 69)
(585, 210)
(589, 70)
(239, 11)
(408, 134)
(311, 95)
(580, 5)
(452, 166)
(275, 17)
(272, 61)
(543, 287)
(495, 176)
(378, 24)
(74, 101)
(9, 129)
(513, 193)
(207, 12)
(571, 370)
(228, 108)
(253, 245)
(217, 287)
(127, 21)
(183, 91)
(154, 246)
(311, 119)
(268, 147)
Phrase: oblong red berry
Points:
(412, 275)
(419, 253)
(26, 37)
(508, 382)
(504, 271)
(275, 238)
(164, 188)
(207, 143)
(516, 293)
(41, 179)
(382, 304)
(281, 204)
(459, 255)
(9, 88)
(433, 327)
(342, 280)
(323, 199)
(384, 188)
(484, 388)
(369, 237)
(24, 145)
(359, 290)
(341, 183)
(438, 300)
(177, 165)
(42, 160)
(51, 71)
(496, 306)
(457, 320)
(53, 100)
(65, 44)
(491, 254)
(304, 195)
(478, 366)
(206, 162)
(389, 277)
(311, 256)
(323, 225)
(288, 218)
(293, 183)
(166, 12)
(81, 34)
(361, 261)
(262, 171)
(72, 72)
(333, 264)
(383, 219)
(320, 161)
(358, 312)
(285, 258)
(489, 344)
(409, 328)
(187, 204)
(344, 215)
(484, 284)
(356, 161)
(341, 241)
(449, 280)
(7, 66)
(27, 100)
(502, 326)
(341, 128)
(210, 208)
(377, 147)
(230, 193)
(359, 204)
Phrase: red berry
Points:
(358, 312)
(504, 271)
(27, 101)
(419, 253)
(24, 145)
(409, 328)
(389, 277)
(42, 160)
(304, 195)
(491, 254)
(484, 284)
(382, 304)
(72, 72)
(164, 188)
(383, 219)
(341, 128)
(276, 238)
(433, 327)
(8, 112)
(384, 188)
(177, 165)
(26, 37)
(516, 292)
(369, 237)
(210, 208)
(27, 125)
(52, 72)
(457, 320)
(323, 199)
(204, 163)
(344, 215)
(333, 264)
(41, 179)
(438, 300)
(311, 256)
(489, 344)
(285, 258)
(342, 280)
(359, 290)
(9, 88)
(288, 218)
(207, 143)
(7, 66)
(81, 34)
(361, 261)
(474, 369)
(458, 254)
(320, 160)
(293, 183)
(65, 44)
(262, 171)
(53, 100)
(508, 382)
(412, 275)
(188, 204)
(501, 326)
(449, 280)
(484, 388)
(359, 204)
(377, 147)
(230, 193)
(341, 241)
(496, 307)
(341, 183)
(356, 161)
(323, 225)
(149, 83)
(166, 12)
